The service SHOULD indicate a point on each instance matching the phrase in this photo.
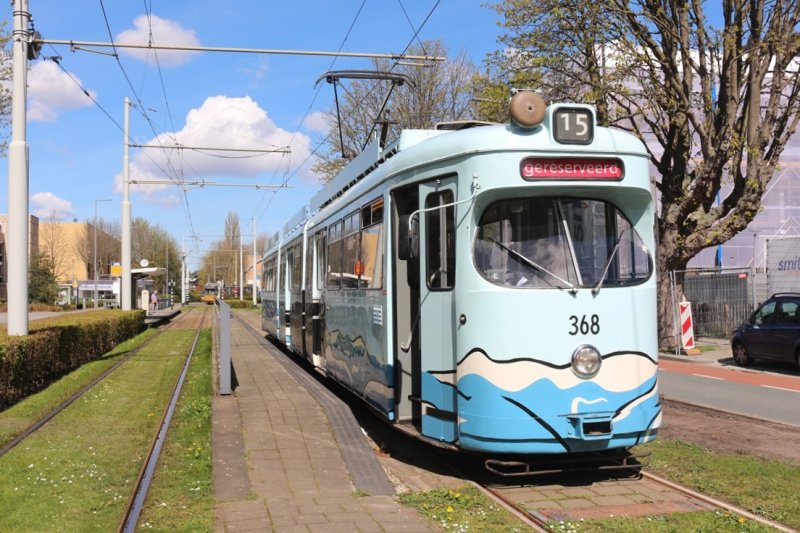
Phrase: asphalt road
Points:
(765, 391)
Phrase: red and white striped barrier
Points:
(687, 329)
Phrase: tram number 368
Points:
(584, 325)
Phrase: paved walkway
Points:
(277, 463)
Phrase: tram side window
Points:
(335, 256)
(440, 254)
(351, 267)
(319, 243)
(371, 256)
(297, 267)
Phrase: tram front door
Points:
(437, 327)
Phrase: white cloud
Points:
(51, 91)
(157, 31)
(317, 122)
(48, 206)
(220, 122)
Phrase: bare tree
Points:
(53, 244)
(437, 93)
(5, 88)
(714, 103)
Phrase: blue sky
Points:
(205, 99)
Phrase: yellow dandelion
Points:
(449, 509)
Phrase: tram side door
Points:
(436, 321)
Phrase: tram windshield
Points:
(559, 243)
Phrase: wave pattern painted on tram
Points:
(536, 405)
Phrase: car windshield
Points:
(559, 243)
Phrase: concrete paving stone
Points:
(244, 509)
(294, 453)
(407, 527)
(344, 527)
(253, 524)
(578, 492)
(300, 528)
(344, 517)
(398, 513)
(278, 506)
(280, 520)
(335, 483)
(311, 518)
(539, 504)
(610, 490)
(574, 503)
(553, 493)
(368, 526)
(641, 498)
(296, 464)
(613, 500)
(271, 489)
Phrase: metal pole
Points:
(255, 279)
(183, 272)
(95, 250)
(125, 291)
(166, 275)
(18, 230)
(241, 267)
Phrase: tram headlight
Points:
(586, 361)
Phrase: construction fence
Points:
(721, 298)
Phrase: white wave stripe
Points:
(618, 374)
(446, 377)
(631, 406)
(579, 400)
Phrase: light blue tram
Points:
(486, 288)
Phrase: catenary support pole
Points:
(125, 292)
(18, 230)
(255, 277)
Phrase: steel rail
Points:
(717, 503)
(76, 396)
(142, 485)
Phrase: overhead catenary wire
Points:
(396, 63)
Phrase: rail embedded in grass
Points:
(23, 418)
(768, 488)
(181, 495)
(77, 471)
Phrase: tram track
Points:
(639, 494)
(81, 392)
(142, 484)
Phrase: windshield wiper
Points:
(599, 285)
(531, 264)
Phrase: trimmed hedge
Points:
(57, 346)
(240, 304)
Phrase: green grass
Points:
(464, 509)
(181, 496)
(767, 488)
(770, 489)
(22, 415)
(77, 472)
(701, 522)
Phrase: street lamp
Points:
(95, 248)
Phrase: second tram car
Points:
(490, 289)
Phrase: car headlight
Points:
(586, 361)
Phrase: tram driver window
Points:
(559, 243)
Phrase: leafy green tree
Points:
(42, 285)
(715, 99)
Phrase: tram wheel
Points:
(740, 354)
